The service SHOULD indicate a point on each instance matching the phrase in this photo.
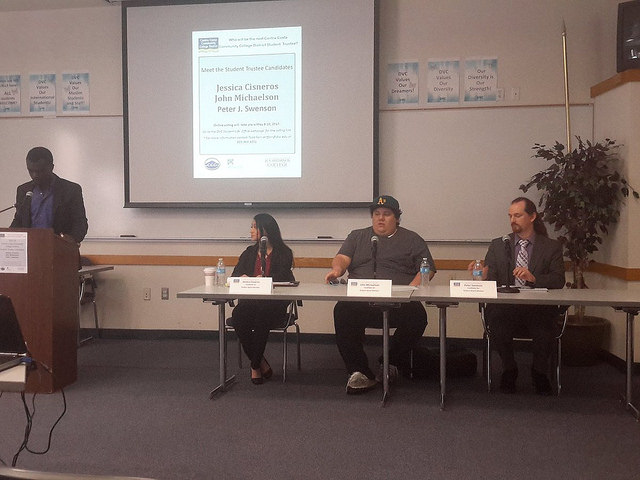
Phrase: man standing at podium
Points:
(48, 201)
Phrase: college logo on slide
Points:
(208, 44)
(211, 164)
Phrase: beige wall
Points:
(617, 116)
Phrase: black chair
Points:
(290, 319)
(563, 312)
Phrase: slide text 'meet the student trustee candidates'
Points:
(247, 103)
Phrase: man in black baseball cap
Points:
(386, 201)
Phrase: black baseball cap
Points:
(386, 201)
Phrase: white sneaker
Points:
(359, 383)
(393, 374)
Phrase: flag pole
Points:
(566, 84)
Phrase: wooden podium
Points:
(46, 303)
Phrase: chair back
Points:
(290, 317)
(521, 331)
(89, 283)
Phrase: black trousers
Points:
(351, 319)
(509, 321)
(252, 320)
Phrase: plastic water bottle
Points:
(425, 271)
(221, 273)
(477, 270)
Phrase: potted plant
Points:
(582, 194)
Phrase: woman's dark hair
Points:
(267, 226)
(530, 208)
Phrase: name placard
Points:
(473, 288)
(358, 287)
(262, 285)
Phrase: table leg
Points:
(222, 351)
(630, 357)
(442, 316)
(385, 355)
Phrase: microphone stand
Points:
(507, 288)
(374, 254)
(263, 257)
(8, 208)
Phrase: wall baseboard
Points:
(319, 338)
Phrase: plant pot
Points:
(582, 342)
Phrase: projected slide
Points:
(247, 91)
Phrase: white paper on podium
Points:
(262, 285)
(13, 252)
(359, 287)
(473, 288)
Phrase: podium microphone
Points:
(374, 254)
(8, 208)
(263, 254)
(27, 195)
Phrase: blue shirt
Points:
(42, 207)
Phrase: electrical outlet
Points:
(146, 295)
(165, 293)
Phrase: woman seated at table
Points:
(252, 319)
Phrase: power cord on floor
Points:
(29, 416)
(27, 431)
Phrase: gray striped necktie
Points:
(522, 260)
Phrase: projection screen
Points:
(258, 103)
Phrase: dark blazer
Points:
(69, 216)
(546, 262)
(281, 264)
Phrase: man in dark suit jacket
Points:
(48, 201)
(543, 268)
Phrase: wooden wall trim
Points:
(622, 273)
(615, 81)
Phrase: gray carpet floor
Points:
(142, 408)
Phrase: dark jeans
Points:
(351, 319)
(509, 321)
(252, 320)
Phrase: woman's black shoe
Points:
(257, 380)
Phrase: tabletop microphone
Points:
(263, 254)
(374, 253)
(506, 240)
